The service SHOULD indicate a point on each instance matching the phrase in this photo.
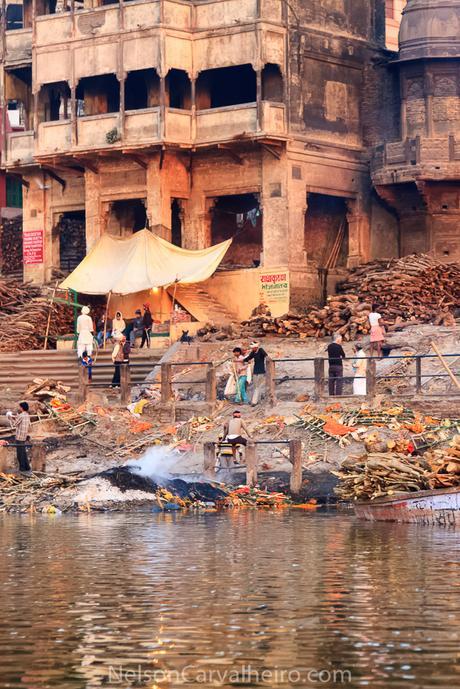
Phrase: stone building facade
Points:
(206, 119)
(416, 171)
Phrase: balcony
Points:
(401, 161)
(19, 149)
(143, 128)
(18, 47)
(94, 40)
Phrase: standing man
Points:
(21, 423)
(259, 355)
(233, 432)
(147, 322)
(240, 368)
(85, 329)
(336, 356)
(120, 355)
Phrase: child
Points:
(87, 362)
(377, 331)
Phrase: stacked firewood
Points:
(412, 289)
(24, 317)
(445, 465)
(11, 245)
(380, 474)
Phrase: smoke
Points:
(156, 462)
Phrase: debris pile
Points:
(445, 465)
(24, 317)
(244, 496)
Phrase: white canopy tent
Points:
(143, 261)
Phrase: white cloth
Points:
(374, 318)
(142, 261)
(82, 347)
(258, 387)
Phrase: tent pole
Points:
(161, 304)
(174, 298)
(106, 316)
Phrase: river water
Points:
(243, 598)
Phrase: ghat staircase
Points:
(201, 305)
(18, 369)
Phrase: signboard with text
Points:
(274, 290)
(32, 246)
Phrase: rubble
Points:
(11, 245)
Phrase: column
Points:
(259, 99)
(122, 81)
(358, 232)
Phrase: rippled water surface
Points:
(245, 598)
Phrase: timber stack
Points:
(386, 474)
(24, 314)
(11, 245)
(413, 289)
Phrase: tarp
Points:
(143, 261)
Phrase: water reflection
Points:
(215, 595)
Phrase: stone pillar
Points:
(196, 229)
(358, 232)
(274, 204)
(158, 197)
(94, 217)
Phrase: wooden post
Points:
(166, 383)
(270, 381)
(38, 457)
(125, 383)
(209, 466)
(371, 377)
(82, 383)
(48, 322)
(251, 464)
(319, 378)
(418, 375)
(105, 321)
(295, 457)
(211, 386)
(445, 365)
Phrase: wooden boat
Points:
(441, 507)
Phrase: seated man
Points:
(233, 430)
(137, 328)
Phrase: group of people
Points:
(140, 327)
(242, 374)
(336, 355)
(122, 335)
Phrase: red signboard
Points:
(32, 247)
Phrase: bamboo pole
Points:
(49, 315)
(445, 365)
(106, 316)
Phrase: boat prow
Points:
(441, 507)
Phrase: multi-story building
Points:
(417, 168)
(205, 119)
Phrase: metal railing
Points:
(319, 377)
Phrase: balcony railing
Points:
(18, 46)
(20, 148)
(144, 127)
(416, 151)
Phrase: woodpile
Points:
(381, 474)
(445, 465)
(24, 316)
(415, 288)
(11, 246)
(386, 474)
